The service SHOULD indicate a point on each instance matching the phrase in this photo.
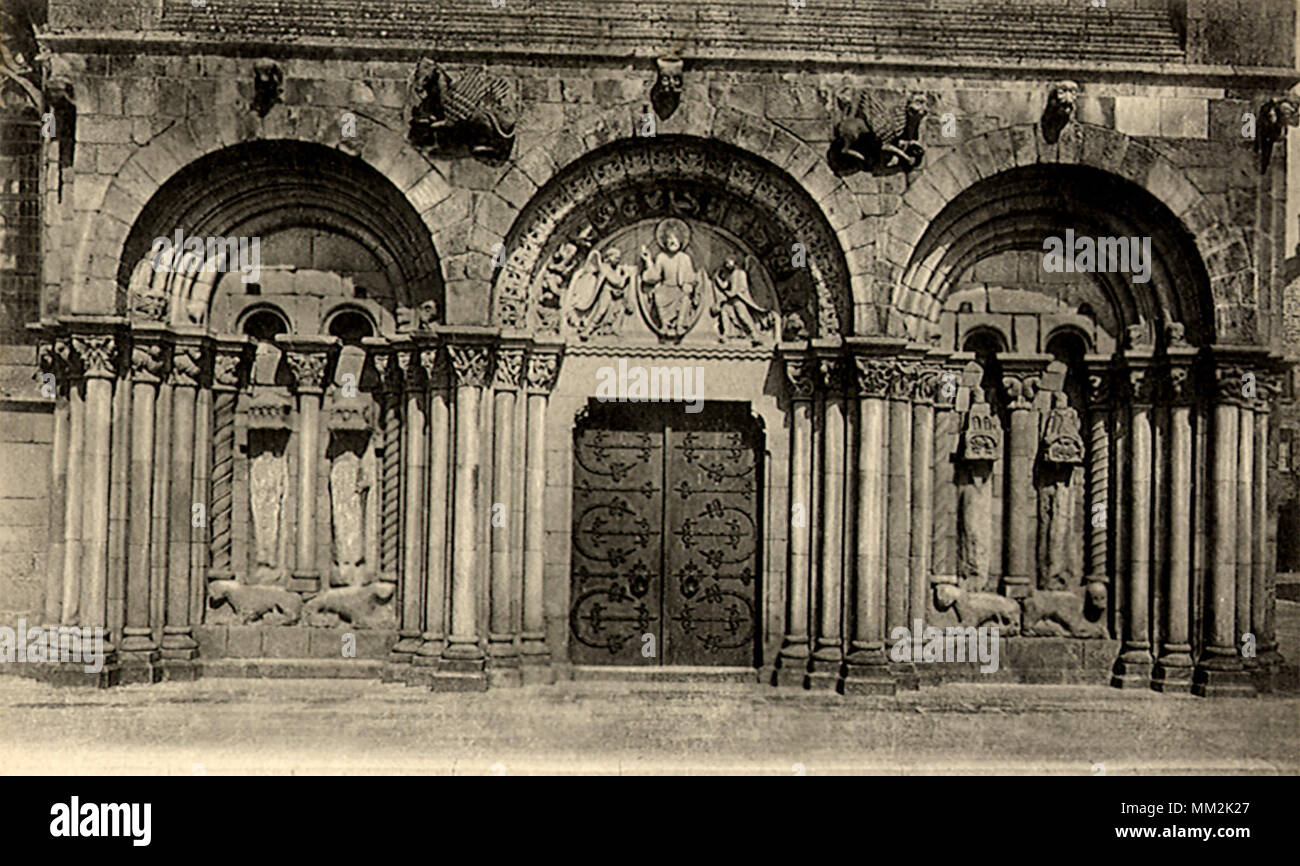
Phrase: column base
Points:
(304, 581)
(825, 669)
(1132, 669)
(536, 673)
(1217, 682)
(1173, 673)
(453, 681)
(75, 674)
(791, 665)
(503, 664)
(408, 644)
(867, 680)
(140, 667)
(429, 651)
(905, 676)
(179, 670)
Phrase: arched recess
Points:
(1019, 208)
(261, 190)
(628, 181)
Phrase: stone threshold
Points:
(263, 668)
(663, 674)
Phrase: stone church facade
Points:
(366, 407)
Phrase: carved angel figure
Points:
(600, 294)
(738, 314)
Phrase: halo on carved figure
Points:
(614, 293)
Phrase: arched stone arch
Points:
(952, 219)
(103, 231)
(964, 206)
(614, 185)
(255, 189)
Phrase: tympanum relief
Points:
(657, 279)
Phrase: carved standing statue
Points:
(1059, 567)
(981, 445)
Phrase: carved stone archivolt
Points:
(747, 245)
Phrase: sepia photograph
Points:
(677, 388)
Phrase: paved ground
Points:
(285, 726)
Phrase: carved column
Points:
(1263, 592)
(899, 507)
(462, 660)
(947, 431)
(824, 670)
(178, 644)
(1099, 407)
(99, 360)
(229, 367)
(543, 367)
(1219, 671)
(503, 654)
(413, 497)
(70, 607)
(1245, 521)
(922, 458)
(1174, 670)
(1133, 668)
(139, 649)
(792, 661)
(437, 508)
(53, 356)
(866, 670)
(307, 359)
(1021, 500)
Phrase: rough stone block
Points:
(1137, 115)
(284, 642)
(1184, 118)
(244, 641)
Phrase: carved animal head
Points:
(1063, 96)
(946, 595)
(268, 81)
(428, 313)
(666, 93)
(1095, 593)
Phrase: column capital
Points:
(433, 361)
(381, 352)
(308, 358)
(543, 368)
(831, 374)
(149, 359)
(509, 373)
(874, 376)
(1140, 385)
(98, 355)
(188, 361)
(471, 364)
(802, 372)
(231, 360)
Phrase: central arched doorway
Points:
(667, 535)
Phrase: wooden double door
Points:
(666, 535)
